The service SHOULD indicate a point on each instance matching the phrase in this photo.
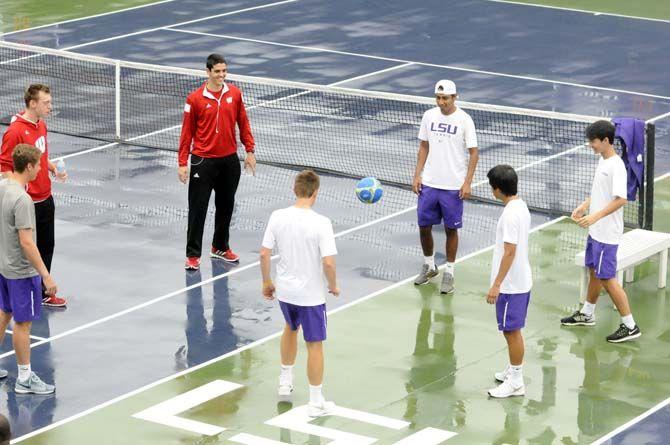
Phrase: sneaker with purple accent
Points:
(507, 389)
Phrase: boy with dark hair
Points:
(305, 275)
(22, 271)
(605, 223)
(511, 277)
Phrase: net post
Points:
(117, 99)
(649, 178)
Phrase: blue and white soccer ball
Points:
(369, 190)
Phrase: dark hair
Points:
(214, 59)
(600, 130)
(23, 155)
(504, 178)
(306, 184)
(33, 90)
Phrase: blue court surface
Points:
(134, 315)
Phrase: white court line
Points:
(249, 346)
(84, 18)
(34, 337)
(611, 14)
(434, 65)
(658, 118)
(225, 14)
(632, 422)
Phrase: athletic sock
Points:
(450, 267)
(516, 375)
(315, 395)
(286, 375)
(588, 309)
(628, 321)
(430, 261)
(24, 372)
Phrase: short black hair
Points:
(504, 178)
(600, 130)
(215, 59)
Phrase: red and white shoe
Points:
(192, 263)
(53, 301)
(228, 255)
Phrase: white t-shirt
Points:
(302, 238)
(609, 182)
(449, 138)
(513, 227)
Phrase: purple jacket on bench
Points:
(630, 132)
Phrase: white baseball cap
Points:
(445, 87)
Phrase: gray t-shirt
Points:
(17, 212)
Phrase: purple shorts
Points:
(313, 320)
(21, 297)
(511, 310)
(601, 258)
(437, 205)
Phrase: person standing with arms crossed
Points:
(305, 275)
(23, 274)
(28, 127)
(208, 135)
(443, 178)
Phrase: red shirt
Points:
(23, 131)
(208, 129)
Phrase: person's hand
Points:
(183, 174)
(578, 213)
(587, 220)
(250, 163)
(493, 294)
(416, 184)
(269, 290)
(465, 191)
(334, 290)
(50, 287)
(62, 176)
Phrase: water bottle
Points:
(60, 167)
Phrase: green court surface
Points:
(653, 9)
(16, 15)
(424, 361)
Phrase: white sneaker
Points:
(502, 376)
(322, 409)
(285, 391)
(507, 389)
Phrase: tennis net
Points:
(341, 131)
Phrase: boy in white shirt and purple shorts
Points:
(511, 277)
(605, 223)
(305, 275)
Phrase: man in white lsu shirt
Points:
(605, 223)
(305, 275)
(445, 166)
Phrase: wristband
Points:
(266, 283)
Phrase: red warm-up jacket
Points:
(23, 131)
(208, 128)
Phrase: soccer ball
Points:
(369, 190)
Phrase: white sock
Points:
(628, 321)
(449, 268)
(315, 395)
(588, 309)
(430, 260)
(24, 372)
(516, 375)
(286, 374)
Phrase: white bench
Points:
(636, 247)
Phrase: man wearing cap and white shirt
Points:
(443, 178)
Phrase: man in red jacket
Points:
(208, 134)
(28, 127)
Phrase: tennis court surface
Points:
(148, 353)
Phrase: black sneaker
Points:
(578, 319)
(624, 334)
